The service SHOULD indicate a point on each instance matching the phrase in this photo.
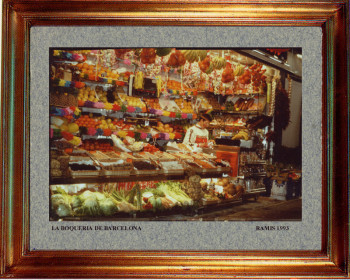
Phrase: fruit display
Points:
(87, 121)
(176, 59)
(132, 101)
(87, 94)
(220, 189)
(152, 103)
(206, 66)
(245, 78)
(164, 127)
(92, 72)
(178, 88)
(163, 51)
(239, 70)
(138, 81)
(97, 145)
(184, 105)
(219, 62)
(241, 135)
(150, 148)
(227, 74)
(194, 55)
(148, 56)
(258, 77)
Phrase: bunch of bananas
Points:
(239, 70)
(241, 135)
(210, 68)
(159, 84)
(219, 62)
(194, 55)
(138, 82)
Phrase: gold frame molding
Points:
(17, 261)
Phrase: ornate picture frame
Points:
(17, 260)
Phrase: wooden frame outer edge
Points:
(18, 261)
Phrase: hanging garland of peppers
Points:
(282, 111)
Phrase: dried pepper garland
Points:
(282, 110)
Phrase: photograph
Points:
(175, 134)
(179, 140)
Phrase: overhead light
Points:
(275, 59)
(299, 56)
(259, 52)
(287, 64)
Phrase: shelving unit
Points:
(146, 118)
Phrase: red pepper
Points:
(148, 206)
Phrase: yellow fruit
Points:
(64, 127)
(73, 127)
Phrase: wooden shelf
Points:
(130, 178)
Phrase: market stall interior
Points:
(175, 134)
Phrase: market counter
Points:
(228, 153)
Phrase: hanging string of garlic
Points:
(289, 86)
(273, 97)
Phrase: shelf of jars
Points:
(252, 171)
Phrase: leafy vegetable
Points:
(158, 193)
(87, 194)
(90, 207)
(173, 190)
(108, 207)
(59, 190)
(158, 204)
(64, 210)
(119, 196)
(76, 201)
(56, 200)
(99, 196)
(154, 191)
